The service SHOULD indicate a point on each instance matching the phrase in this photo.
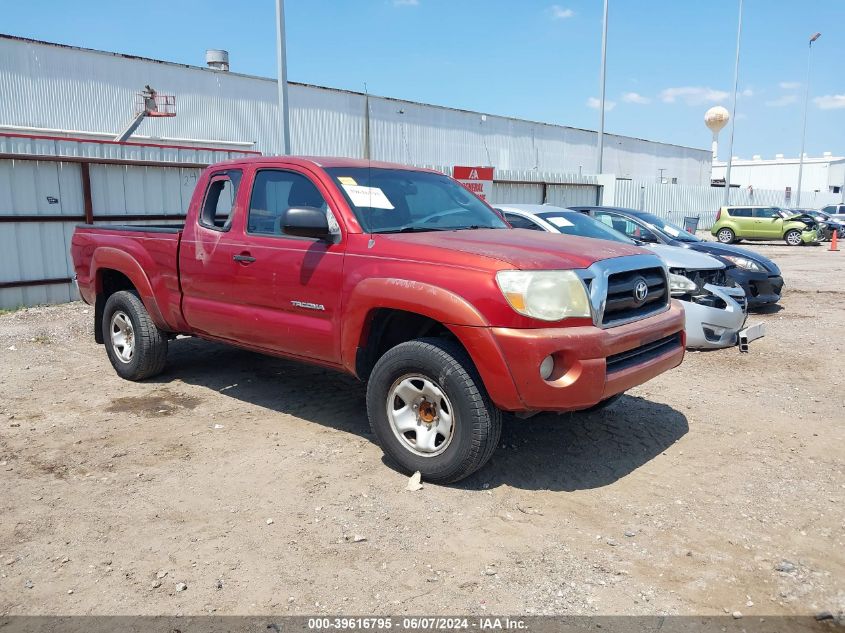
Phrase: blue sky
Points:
(668, 60)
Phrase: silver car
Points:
(715, 309)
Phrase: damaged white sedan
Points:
(715, 308)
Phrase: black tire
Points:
(795, 235)
(149, 353)
(603, 404)
(726, 235)
(477, 422)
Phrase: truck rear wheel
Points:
(430, 412)
(137, 349)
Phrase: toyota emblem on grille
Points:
(640, 290)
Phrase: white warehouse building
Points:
(825, 174)
(53, 89)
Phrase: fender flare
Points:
(111, 258)
(434, 302)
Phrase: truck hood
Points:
(678, 257)
(518, 248)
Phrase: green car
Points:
(763, 223)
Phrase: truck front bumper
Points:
(590, 364)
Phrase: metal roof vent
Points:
(217, 59)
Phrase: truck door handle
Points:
(243, 258)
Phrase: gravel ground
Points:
(242, 484)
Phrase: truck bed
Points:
(146, 254)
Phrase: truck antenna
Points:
(372, 240)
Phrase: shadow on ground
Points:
(769, 308)
(573, 451)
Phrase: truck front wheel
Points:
(137, 349)
(430, 412)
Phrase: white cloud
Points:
(559, 13)
(748, 92)
(595, 104)
(635, 97)
(790, 85)
(781, 101)
(693, 95)
(405, 3)
(830, 102)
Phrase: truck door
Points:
(282, 292)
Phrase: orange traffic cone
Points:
(834, 246)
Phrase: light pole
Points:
(599, 161)
(282, 68)
(813, 38)
(726, 200)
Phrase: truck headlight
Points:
(680, 285)
(548, 295)
(744, 262)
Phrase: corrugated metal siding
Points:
(67, 88)
(673, 202)
(34, 250)
(41, 250)
(517, 193)
(568, 195)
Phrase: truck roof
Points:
(321, 161)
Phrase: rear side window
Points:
(739, 212)
(519, 222)
(626, 226)
(273, 193)
(219, 200)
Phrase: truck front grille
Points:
(643, 353)
(623, 304)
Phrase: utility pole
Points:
(599, 161)
(727, 198)
(813, 38)
(282, 68)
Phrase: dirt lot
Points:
(255, 482)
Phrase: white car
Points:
(715, 309)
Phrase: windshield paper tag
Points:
(347, 180)
(672, 231)
(559, 221)
(371, 197)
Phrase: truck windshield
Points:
(399, 200)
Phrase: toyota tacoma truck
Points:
(396, 275)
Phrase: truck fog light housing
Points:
(547, 367)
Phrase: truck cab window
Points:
(220, 200)
(273, 193)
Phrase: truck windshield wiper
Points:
(411, 229)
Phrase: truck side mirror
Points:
(307, 222)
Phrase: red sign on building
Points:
(478, 180)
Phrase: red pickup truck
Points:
(398, 276)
